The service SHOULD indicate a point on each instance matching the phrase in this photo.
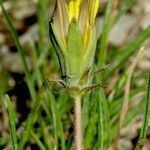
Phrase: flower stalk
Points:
(78, 124)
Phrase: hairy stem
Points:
(78, 123)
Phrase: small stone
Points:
(125, 144)
(12, 61)
(11, 82)
(146, 146)
(144, 65)
(3, 50)
(146, 6)
(146, 21)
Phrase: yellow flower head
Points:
(73, 34)
(81, 11)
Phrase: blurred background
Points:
(30, 19)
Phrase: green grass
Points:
(49, 124)
(12, 121)
(146, 117)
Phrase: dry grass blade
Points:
(125, 104)
(130, 73)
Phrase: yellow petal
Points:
(74, 10)
(93, 9)
(77, 4)
(70, 11)
(61, 19)
(87, 35)
(84, 21)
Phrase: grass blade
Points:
(43, 23)
(86, 111)
(12, 119)
(31, 118)
(145, 119)
(15, 37)
(146, 113)
(21, 52)
(39, 143)
(102, 47)
(127, 4)
(101, 126)
(91, 126)
(103, 116)
(102, 44)
(58, 127)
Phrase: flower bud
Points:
(73, 35)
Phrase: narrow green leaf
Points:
(102, 44)
(146, 113)
(21, 52)
(86, 111)
(12, 119)
(101, 125)
(39, 143)
(104, 116)
(104, 119)
(145, 120)
(43, 23)
(90, 130)
(31, 119)
(15, 37)
(58, 127)
(127, 4)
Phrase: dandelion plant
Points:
(73, 35)
(96, 110)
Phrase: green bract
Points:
(74, 44)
